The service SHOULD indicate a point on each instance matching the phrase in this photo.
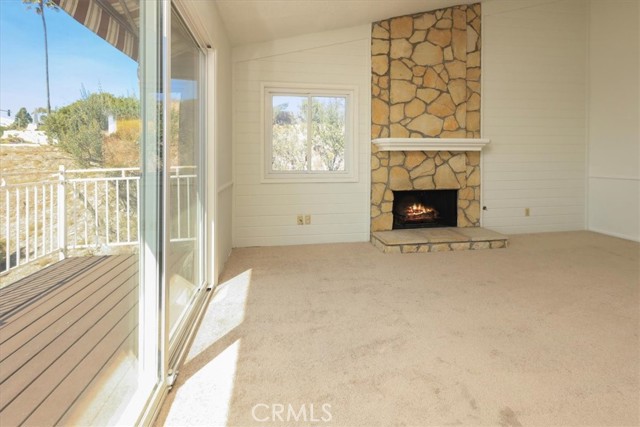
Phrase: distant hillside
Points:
(32, 163)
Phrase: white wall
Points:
(534, 111)
(205, 22)
(265, 213)
(614, 118)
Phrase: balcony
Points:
(83, 212)
(69, 293)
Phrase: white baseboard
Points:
(614, 234)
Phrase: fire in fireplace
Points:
(425, 208)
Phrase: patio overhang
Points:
(115, 21)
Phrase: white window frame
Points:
(350, 172)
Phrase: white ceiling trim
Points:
(300, 43)
(257, 21)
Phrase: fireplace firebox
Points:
(425, 208)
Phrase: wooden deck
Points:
(60, 329)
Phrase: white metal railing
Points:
(181, 198)
(103, 211)
(85, 209)
(31, 222)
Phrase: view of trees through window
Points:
(308, 133)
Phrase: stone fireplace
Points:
(394, 171)
(425, 72)
(425, 113)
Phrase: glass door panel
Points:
(184, 248)
(82, 226)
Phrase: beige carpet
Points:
(542, 333)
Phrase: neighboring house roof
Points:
(32, 136)
(6, 121)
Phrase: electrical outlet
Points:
(300, 220)
(307, 219)
(527, 212)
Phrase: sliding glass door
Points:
(172, 69)
(106, 253)
(184, 257)
(124, 370)
(160, 277)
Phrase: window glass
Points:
(289, 133)
(184, 255)
(307, 134)
(79, 210)
(328, 118)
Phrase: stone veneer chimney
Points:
(425, 82)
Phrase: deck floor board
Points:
(19, 298)
(38, 329)
(60, 328)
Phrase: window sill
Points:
(308, 178)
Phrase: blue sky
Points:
(77, 58)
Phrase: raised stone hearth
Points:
(437, 240)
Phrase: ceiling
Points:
(252, 21)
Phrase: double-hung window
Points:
(308, 133)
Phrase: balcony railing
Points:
(85, 209)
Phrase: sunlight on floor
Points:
(205, 398)
(225, 312)
(205, 384)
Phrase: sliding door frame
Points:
(159, 358)
(177, 344)
(151, 334)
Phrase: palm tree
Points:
(40, 6)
